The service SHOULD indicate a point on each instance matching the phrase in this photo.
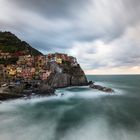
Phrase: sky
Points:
(104, 35)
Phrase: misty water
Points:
(80, 114)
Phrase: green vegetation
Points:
(11, 44)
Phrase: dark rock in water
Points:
(90, 82)
(45, 89)
(8, 96)
(104, 89)
(26, 90)
(41, 89)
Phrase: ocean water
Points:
(80, 114)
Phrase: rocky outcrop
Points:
(26, 90)
(67, 75)
(62, 75)
(101, 88)
(9, 96)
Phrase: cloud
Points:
(120, 52)
(53, 8)
(100, 32)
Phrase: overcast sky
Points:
(104, 35)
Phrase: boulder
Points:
(101, 88)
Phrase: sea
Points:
(77, 113)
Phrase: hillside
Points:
(10, 43)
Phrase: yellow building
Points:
(59, 60)
(12, 72)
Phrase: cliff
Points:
(66, 75)
(61, 76)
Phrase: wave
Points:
(67, 117)
(62, 94)
(100, 129)
(84, 92)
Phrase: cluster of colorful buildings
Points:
(36, 67)
(6, 55)
(60, 58)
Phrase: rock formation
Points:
(101, 88)
(66, 75)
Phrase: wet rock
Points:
(101, 88)
(8, 96)
(45, 89)
(90, 82)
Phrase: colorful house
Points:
(58, 60)
(12, 72)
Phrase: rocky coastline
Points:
(25, 72)
(31, 89)
(24, 89)
(62, 76)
